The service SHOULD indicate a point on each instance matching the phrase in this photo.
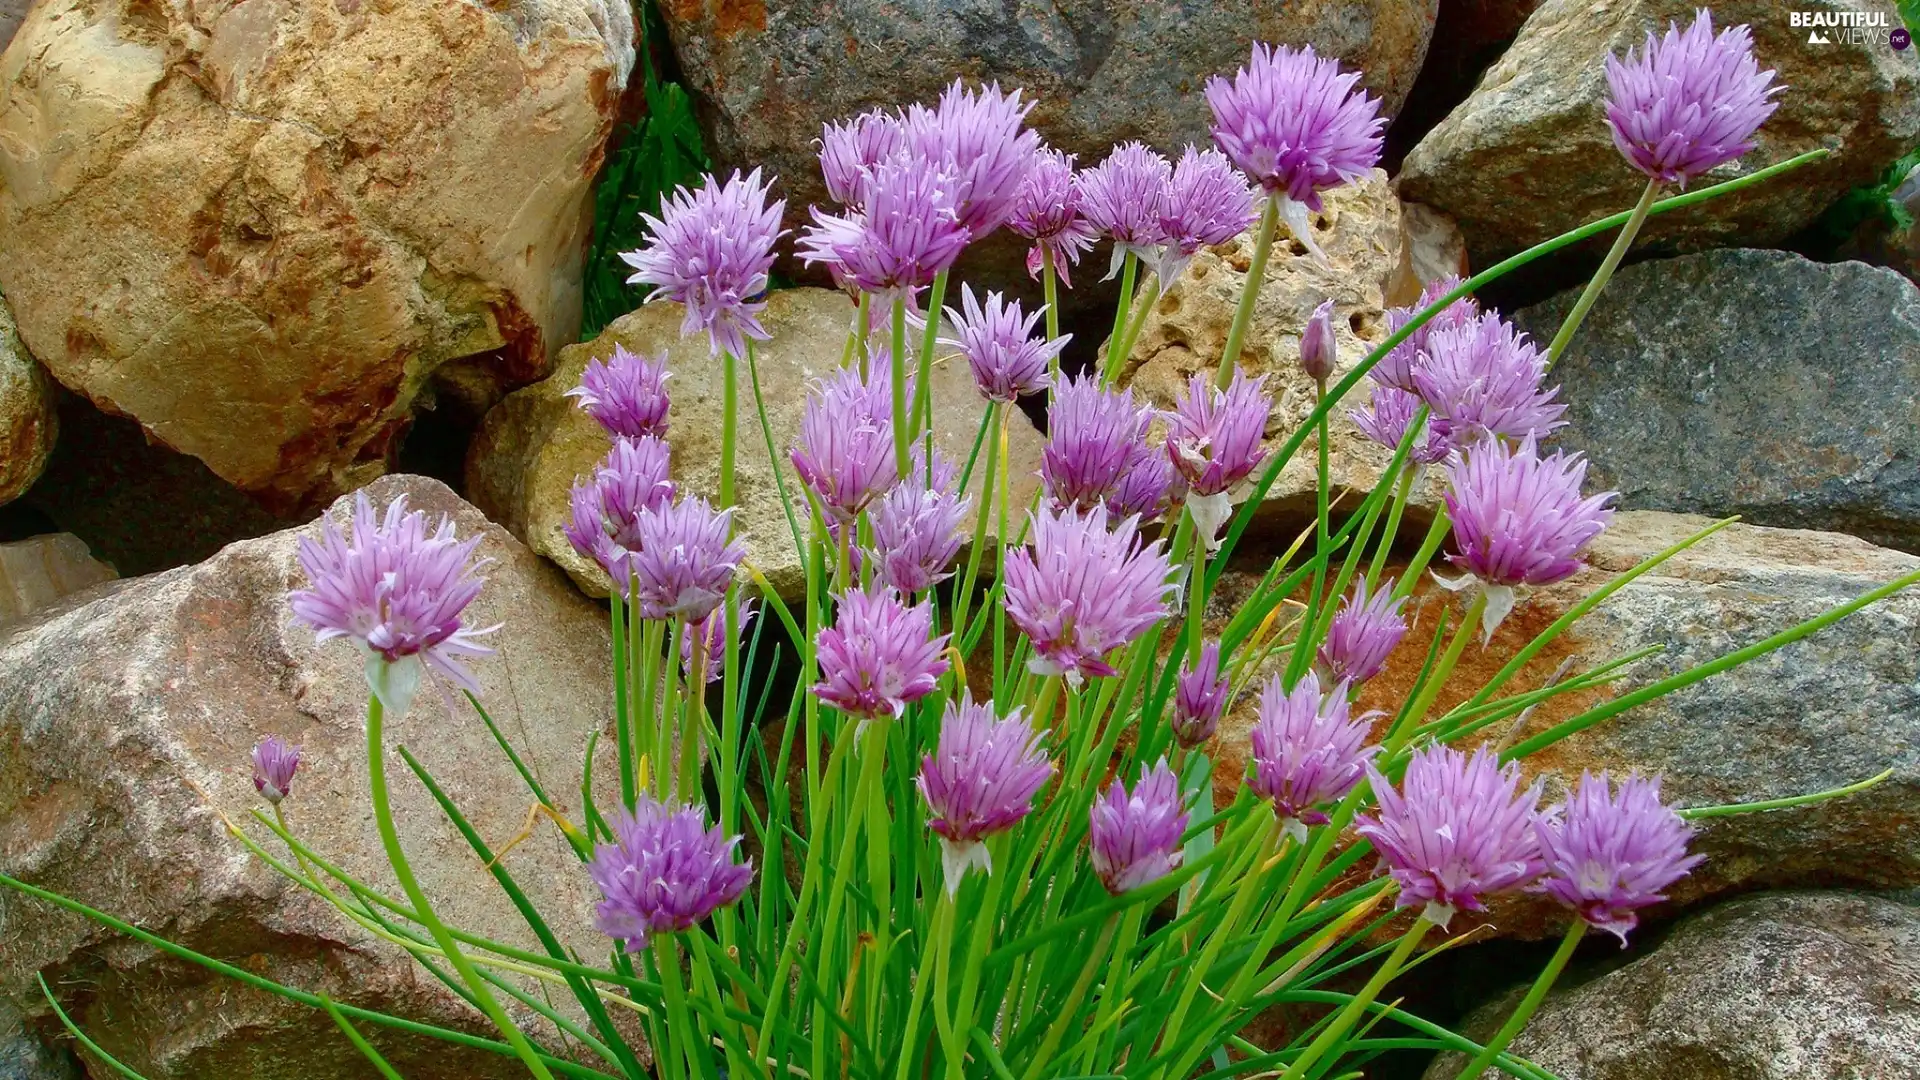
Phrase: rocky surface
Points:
(1778, 986)
(40, 570)
(1751, 382)
(1372, 250)
(130, 713)
(11, 12)
(768, 73)
(1528, 156)
(23, 1057)
(261, 229)
(1838, 707)
(536, 443)
(27, 421)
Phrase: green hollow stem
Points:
(729, 412)
(938, 934)
(1417, 710)
(1524, 1011)
(1250, 294)
(902, 424)
(1695, 813)
(923, 388)
(1118, 349)
(1591, 293)
(857, 336)
(1069, 1013)
(621, 680)
(963, 599)
(1049, 286)
(1129, 268)
(683, 1041)
(397, 858)
(1343, 1022)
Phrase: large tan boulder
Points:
(129, 713)
(37, 571)
(534, 445)
(264, 229)
(28, 422)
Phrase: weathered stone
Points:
(534, 445)
(27, 420)
(24, 1057)
(39, 570)
(1779, 986)
(128, 715)
(1368, 251)
(1528, 155)
(1750, 382)
(1431, 248)
(768, 73)
(11, 12)
(1835, 708)
(261, 229)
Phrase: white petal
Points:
(955, 858)
(1209, 513)
(393, 682)
(1295, 215)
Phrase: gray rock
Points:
(27, 421)
(1754, 383)
(1778, 986)
(25, 1057)
(129, 713)
(11, 12)
(39, 570)
(1528, 155)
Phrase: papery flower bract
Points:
(274, 763)
(606, 507)
(1199, 699)
(850, 149)
(1318, 351)
(1295, 123)
(397, 592)
(1093, 435)
(684, 560)
(626, 394)
(1206, 201)
(1213, 440)
(1396, 368)
(997, 340)
(1080, 590)
(845, 452)
(879, 656)
(1482, 377)
(1148, 487)
(710, 636)
(908, 231)
(1688, 100)
(1308, 750)
(1046, 210)
(664, 872)
(1385, 418)
(1133, 837)
(980, 780)
(711, 249)
(1608, 855)
(1362, 635)
(917, 528)
(1121, 198)
(981, 140)
(1459, 830)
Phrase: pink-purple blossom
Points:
(845, 452)
(711, 249)
(1133, 837)
(997, 339)
(880, 655)
(849, 150)
(1121, 198)
(1318, 350)
(709, 636)
(625, 394)
(1689, 100)
(606, 507)
(1094, 433)
(1609, 854)
(1148, 487)
(684, 560)
(1084, 586)
(908, 231)
(1362, 635)
(1213, 435)
(980, 780)
(274, 763)
(1206, 201)
(917, 529)
(1046, 210)
(1295, 123)
(1482, 378)
(1396, 368)
(664, 872)
(1386, 417)
(1519, 518)
(1308, 749)
(980, 140)
(1199, 699)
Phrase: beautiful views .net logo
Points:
(1851, 28)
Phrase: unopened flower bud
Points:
(1317, 349)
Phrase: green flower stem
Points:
(1250, 294)
(857, 336)
(1695, 813)
(873, 753)
(1416, 711)
(1601, 276)
(1100, 1051)
(964, 596)
(979, 940)
(670, 724)
(705, 983)
(1129, 267)
(623, 730)
(1437, 532)
(1245, 893)
(773, 456)
(1049, 287)
(1068, 1016)
(1343, 1021)
(397, 858)
(1118, 349)
(1402, 492)
(939, 931)
(729, 419)
(1196, 593)
(684, 1045)
(1524, 1011)
(647, 723)
(902, 423)
(696, 723)
(923, 388)
(1317, 599)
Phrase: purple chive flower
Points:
(1385, 420)
(1206, 201)
(684, 561)
(1213, 440)
(1518, 518)
(998, 342)
(980, 138)
(908, 231)
(1148, 486)
(1483, 377)
(1295, 123)
(845, 450)
(1046, 210)
(274, 763)
(916, 529)
(980, 780)
(711, 249)
(710, 635)
(626, 395)
(1307, 750)
(879, 656)
(1459, 830)
(1093, 434)
(1121, 198)
(1080, 590)
(849, 150)
(606, 508)
(1688, 101)
(1609, 855)
(1362, 635)
(664, 872)
(1396, 368)
(1133, 838)
(1318, 350)
(397, 592)
(1199, 699)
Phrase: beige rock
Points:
(262, 228)
(39, 570)
(536, 443)
(1186, 332)
(129, 715)
(1528, 155)
(28, 424)
(1431, 248)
